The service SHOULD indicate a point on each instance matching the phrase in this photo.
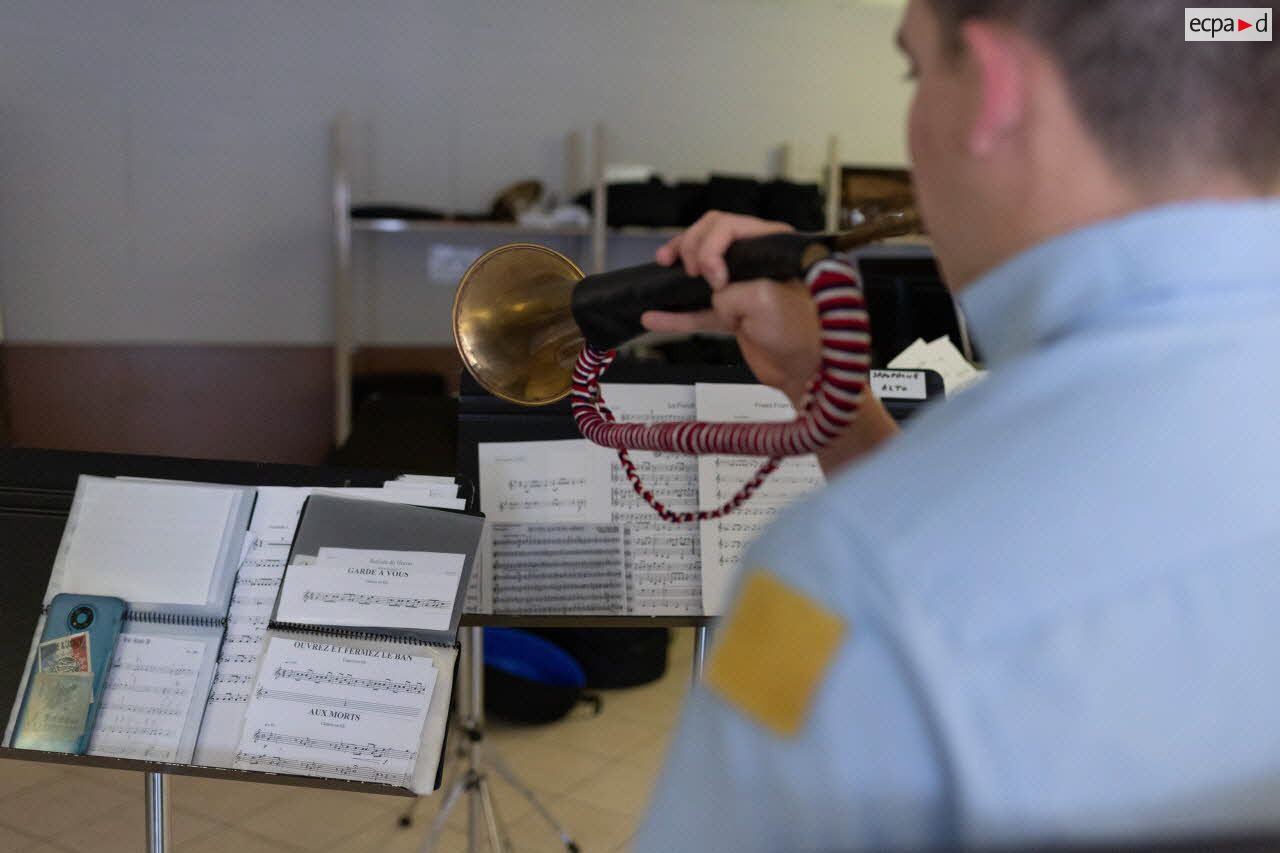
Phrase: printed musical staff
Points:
(146, 698)
(336, 702)
(365, 599)
(348, 680)
(252, 600)
(361, 750)
(320, 768)
(342, 710)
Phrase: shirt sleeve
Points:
(864, 773)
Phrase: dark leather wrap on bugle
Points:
(607, 306)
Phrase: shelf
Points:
(391, 226)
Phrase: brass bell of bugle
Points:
(522, 312)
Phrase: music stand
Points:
(36, 490)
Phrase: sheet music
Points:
(719, 477)
(661, 559)
(276, 513)
(324, 709)
(568, 534)
(252, 601)
(366, 588)
(557, 569)
(146, 698)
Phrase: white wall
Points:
(164, 163)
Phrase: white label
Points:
(898, 384)
(1236, 23)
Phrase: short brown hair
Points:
(1152, 99)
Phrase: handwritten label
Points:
(898, 384)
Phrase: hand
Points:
(701, 247)
(775, 322)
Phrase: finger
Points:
(693, 237)
(684, 322)
(710, 253)
(669, 251)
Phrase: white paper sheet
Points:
(276, 513)
(372, 588)
(543, 481)
(568, 534)
(146, 542)
(252, 601)
(147, 697)
(941, 355)
(720, 477)
(418, 496)
(324, 709)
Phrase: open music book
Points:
(357, 667)
(199, 567)
(170, 550)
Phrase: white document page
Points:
(276, 513)
(427, 479)
(422, 488)
(547, 544)
(145, 542)
(941, 355)
(147, 695)
(662, 559)
(417, 496)
(324, 709)
(567, 533)
(252, 601)
(543, 481)
(373, 589)
(723, 540)
(556, 569)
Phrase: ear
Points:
(998, 61)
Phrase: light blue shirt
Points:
(1062, 586)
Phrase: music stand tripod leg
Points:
(525, 791)
(157, 787)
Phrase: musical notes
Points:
(343, 709)
(146, 698)
(252, 600)
(330, 677)
(250, 760)
(545, 481)
(365, 600)
(362, 750)
(548, 552)
(557, 568)
(362, 588)
(336, 702)
(719, 477)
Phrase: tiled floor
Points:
(593, 774)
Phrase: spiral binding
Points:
(154, 617)
(348, 634)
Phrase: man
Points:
(1046, 611)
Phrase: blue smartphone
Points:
(69, 672)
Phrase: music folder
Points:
(358, 669)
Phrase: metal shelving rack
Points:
(345, 227)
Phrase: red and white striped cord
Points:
(831, 405)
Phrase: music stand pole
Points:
(699, 651)
(157, 786)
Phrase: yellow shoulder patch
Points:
(772, 652)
